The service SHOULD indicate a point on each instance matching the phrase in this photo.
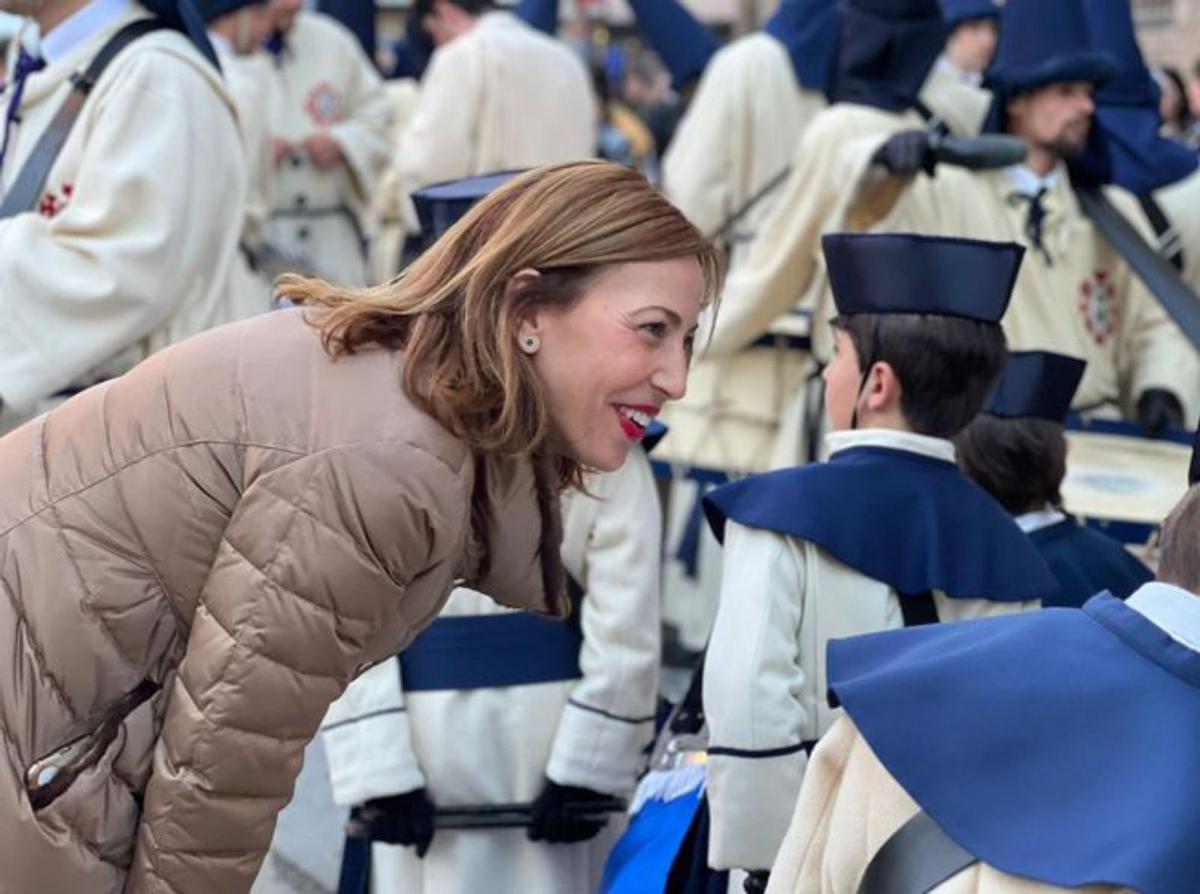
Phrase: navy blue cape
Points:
(911, 521)
(1086, 562)
(1060, 745)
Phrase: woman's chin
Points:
(606, 457)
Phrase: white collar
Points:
(970, 78)
(936, 448)
(1172, 609)
(79, 26)
(223, 47)
(1038, 519)
(1030, 184)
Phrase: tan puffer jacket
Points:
(195, 560)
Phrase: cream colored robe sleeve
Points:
(368, 739)
(439, 142)
(609, 715)
(364, 135)
(110, 268)
(849, 807)
(753, 678)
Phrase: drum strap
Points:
(1170, 243)
(916, 859)
(27, 188)
(918, 609)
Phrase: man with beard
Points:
(1075, 293)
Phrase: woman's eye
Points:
(656, 330)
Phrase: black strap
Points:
(27, 188)
(765, 190)
(918, 608)
(934, 121)
(1170, 243)
(1178, 300)
(916, 859)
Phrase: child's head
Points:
(918, 341)
(928, 373)
(1020, 462)
(1015, 449)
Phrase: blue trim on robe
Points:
(911, 521)
(1085, 563)
(1058, 745)
(490, 651)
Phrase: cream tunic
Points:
(1180, 202)
(498, 745)
(782, 600)
(132, 243)
(849, 806)
(323, 82)
(1082, 300)
(501, 96)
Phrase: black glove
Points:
(1159, 409)
(405, 819)
(756, 881)
(553, 823)
(906, 153)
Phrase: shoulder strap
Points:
(1170, 243)
(30, 181)
(918, 858)
(918, 608)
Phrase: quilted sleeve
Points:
(316, 557)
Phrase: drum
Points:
(1122, 482)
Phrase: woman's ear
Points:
(528, 322)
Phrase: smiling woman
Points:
(201, 554)
(557, 315)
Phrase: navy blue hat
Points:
(1035, 385)
(681, 41)
(183, 16)
(903, 273)
(1125, 146)
(808, 31)
(885, 49)
(441, 205)
(955, 12)
(1044, 43)
(539, 14)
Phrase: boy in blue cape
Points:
(1017, 452)
(887, 533)
(1035, 753)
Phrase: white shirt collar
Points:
(970, 78)
(1038, 519)
(1170, 608)
(220, 44)
(936, 448)
(79, 26)
(1028, 183)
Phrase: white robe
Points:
(323, 82)
(501, 96)
(1084, 300)
(132, 243)
(389, 206)
(489, 746)
(782, 600)
(1180, 202)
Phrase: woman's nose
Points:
(671, 376)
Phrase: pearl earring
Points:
(530, 344)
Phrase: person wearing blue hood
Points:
(1016, 451)
(1052, 751)
(558, 713)
(120, 221)
(886, 533)
(971, 32)
(1076, 293)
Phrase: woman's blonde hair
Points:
(456, 318)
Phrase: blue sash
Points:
(490, 651)
(1059, 745)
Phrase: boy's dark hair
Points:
(1179, 543)
(422, 8)
(1020, 462)
(946, 365)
